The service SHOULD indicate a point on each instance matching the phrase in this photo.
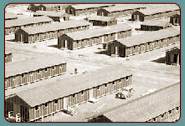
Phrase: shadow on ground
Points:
(54, 46)
(11, 40)
(101, 52)
(160, 60)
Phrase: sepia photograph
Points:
(92, 62)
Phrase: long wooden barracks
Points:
(32, 70)
(49, 31)
(56, 16)
(150, 108)
(78, 9)
(102, 21)
(155, 24)
(11, 26)
(82, 39)
(155, 12)
(44, 7)
(145, 42)
(59, 94)
(120, 10)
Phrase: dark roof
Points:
(122, 7)
(84, 6)
(56, 26)
(14, 68)
(157, 22)
(10, 15)
(148, 37)
(159, 9)
(100, 18)
(50, 13)
(59, 87)
(79, 35)
(26, 21)
(147, 107)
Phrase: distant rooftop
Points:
(14, 68)
(157, 22)
(50, 13)
(84, 6)
(79, 35)
(121, 7)
(56, 26)
(159, 9)
(100, 18)
(148, 36)
(26, 21)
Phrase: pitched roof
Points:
(85, 6)
(121, 7)
(26, 21)
(10, 15)
(100, 18)
(176, 16)
(158, 9)
(14, 68)
(50, 13)
(176, 47)
(56, 26)
(58, 88)
(79, 35)
(148, 37)
(157, 22)
(147, 107)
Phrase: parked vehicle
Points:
(125, 93)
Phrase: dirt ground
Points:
(149, 69)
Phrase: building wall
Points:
(102, 12)
(21, 36)
(104, 23)
(175, 20)
(152, 28)
(33, 76)
(168, 116)
(17, 105)
(70, 10)
(173, 56)
(116, 46)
